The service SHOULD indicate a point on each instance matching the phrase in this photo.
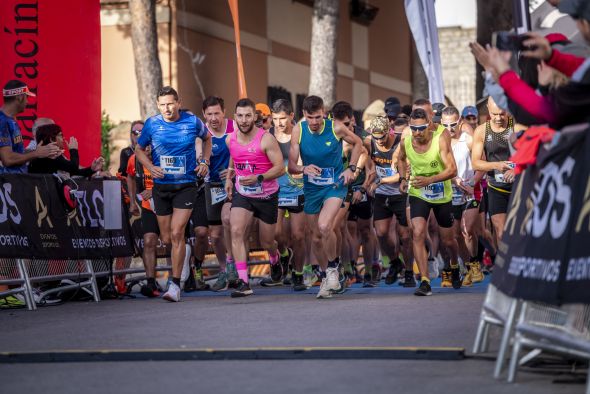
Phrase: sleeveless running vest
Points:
(383, 166)
(323, 149)
(289, 187)
(497, 148)
(465, 171)
(251, 160)
(427, 164)
(219, 153)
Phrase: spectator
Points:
(52, 133)
(38, 123)
(263, 120)
(12, 150)
(134, 133)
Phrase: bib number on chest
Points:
(458, 196)
(434, 191)
(218, 194)
(326, 177)
(288, 202)
(173, 165)
(383, 172)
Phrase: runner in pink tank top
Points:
(257, 162)
(251, 160)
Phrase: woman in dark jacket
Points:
(53, 133)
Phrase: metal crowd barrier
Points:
(13, 273)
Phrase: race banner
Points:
(544, 255)
(36, 223)
(54, 47)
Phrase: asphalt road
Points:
(379, 317)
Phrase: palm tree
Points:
(144, 38)
(324, 41)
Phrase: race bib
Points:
(325, 178)
(173, 165)
(458, 196)
(250, 189)
(285, 202)
(383, 172)
(499, 177)
(434, 191)
(218, 194)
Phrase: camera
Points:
(508, 41)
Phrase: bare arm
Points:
(402, 165)
(271, 147)
(144, 159)
(354, 141)
(295, 167)
(11, 159)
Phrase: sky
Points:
(456, 13)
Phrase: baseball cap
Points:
(577, 9)
(437, 109)
(470, 110)
(16, 88)
(392, 107)
(263, 108)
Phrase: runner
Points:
(291, 220)
(172, 136)
(218, 204)
(389, 202)
(255, 157)
(432, 167)
(465, 206)
(319, 143)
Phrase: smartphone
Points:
(508, 41)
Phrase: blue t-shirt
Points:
(219, 153)
(10, 136)
(173, 146)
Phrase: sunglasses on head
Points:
(450, 125)
(419, 128)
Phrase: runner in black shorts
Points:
(257, 162)
(393, 236)
(175, 170)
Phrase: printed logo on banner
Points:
(8, 208)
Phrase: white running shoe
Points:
(332, 278)
(186, 267)
(173, 293)
(324, 291)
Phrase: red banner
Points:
(54, 47)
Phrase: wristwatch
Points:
(402, 179)
(352, 167)
(260, 178)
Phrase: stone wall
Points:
(458, 64)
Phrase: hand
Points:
(347, 176)
(403, 186)
(157, 172)
(73, 144)
(481, 55)
(371, 189)
(223, 174)
(499, 61)
(312, 170)
(97, 164)
(50, 150)
(229, 189)
(539, 47)
(146, 194)
(545, 74)
(356, 197)
(249, 180)
(504, 166)
(133, 209)
(202, 170)
(421, 181)
(509, 176)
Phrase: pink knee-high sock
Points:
(274, 258)
(242, 267)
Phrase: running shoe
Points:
(342, 279)
(286, 263)
(395, 269)
(276, 272)
(476, 274)
(149, 291)
(376, 273)
(333, 279)
(456, 278)
(446, 279)
(297, 281)
(409, 280)
(173, 293)
(13, 301)
(324, 292)
(367, 282)
(243, 290)
(221, 284)
(467, 278)
(232, 275)
(424, 289)
(195, 282)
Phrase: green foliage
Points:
(106, 148)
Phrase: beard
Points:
(246, 129)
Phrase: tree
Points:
(324, 42)
(491, 16)
(144, 37)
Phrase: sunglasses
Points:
(136, 132)
(379, 138)
(450, 125)
(347, 124)
(419, 128)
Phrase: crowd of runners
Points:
(419, 191)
